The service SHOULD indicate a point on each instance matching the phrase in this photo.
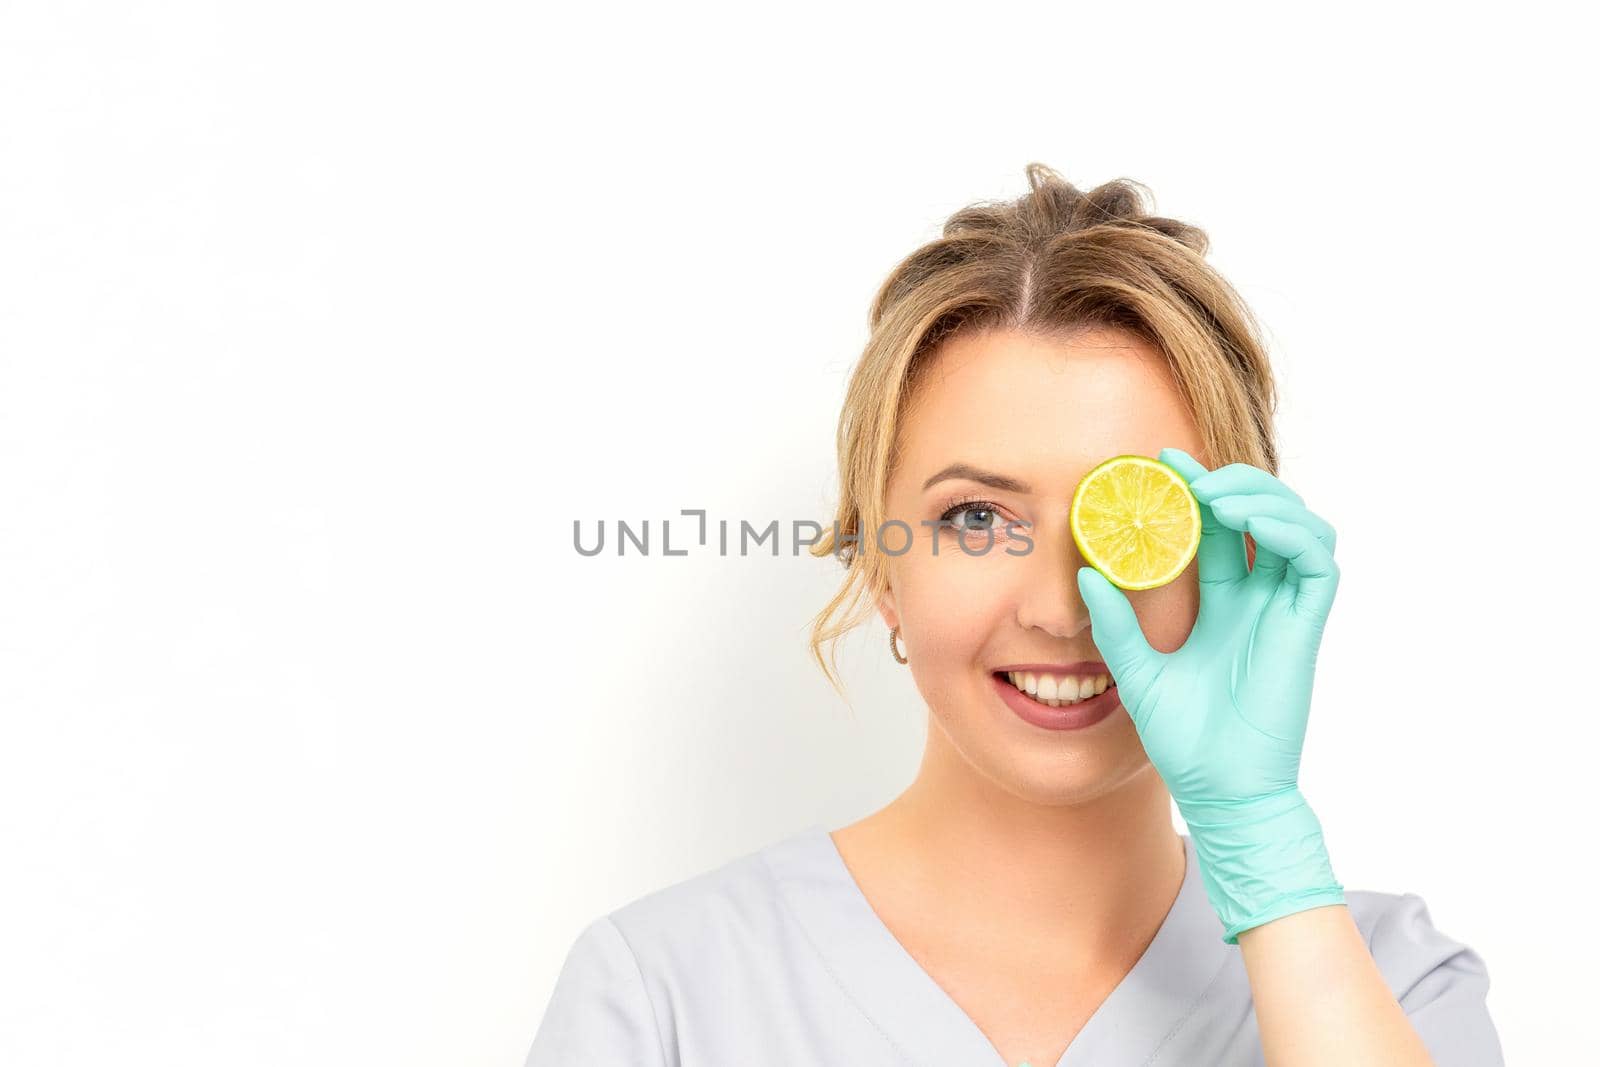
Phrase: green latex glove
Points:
(1224, 717)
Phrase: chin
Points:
(1054, 767)
(1072, 778)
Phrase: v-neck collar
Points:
(930, 1029)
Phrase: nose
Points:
(1047, 595)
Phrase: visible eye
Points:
(970, 507)
(973, 515)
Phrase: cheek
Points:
(949, 605)
(1167, 614)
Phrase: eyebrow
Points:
(978, 474)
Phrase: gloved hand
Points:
(1223, 718)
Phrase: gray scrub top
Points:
(776, 958)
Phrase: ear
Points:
(888, 610)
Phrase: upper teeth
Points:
(1058, 689)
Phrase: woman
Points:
(1027, 898)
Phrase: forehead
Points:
(1043, 409)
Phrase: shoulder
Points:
(739, 893)
(1441, 982)
(1406, 944)
(599, 1006)
(628, 971)
(712, 918)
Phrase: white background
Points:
(321, 322)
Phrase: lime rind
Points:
(1131, 557)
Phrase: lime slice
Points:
(1135, 521)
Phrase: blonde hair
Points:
(1052, 262)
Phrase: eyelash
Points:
(971, 503)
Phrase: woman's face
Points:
(1041, 413)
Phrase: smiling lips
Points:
(1058, 686)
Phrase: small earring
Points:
(894, 649)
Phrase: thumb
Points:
(1117, 633)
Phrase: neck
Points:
(1100, 875)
